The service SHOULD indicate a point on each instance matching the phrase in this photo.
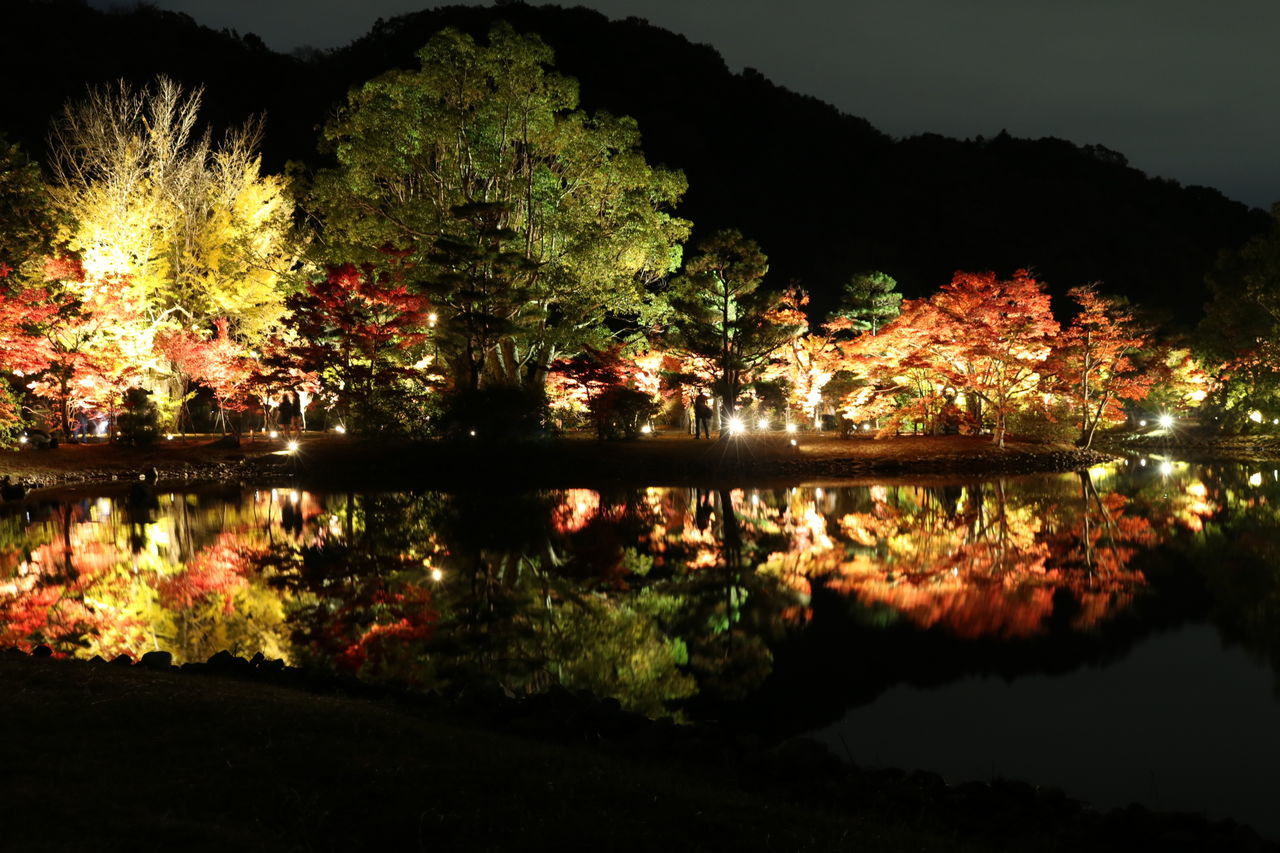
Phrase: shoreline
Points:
(328, 460)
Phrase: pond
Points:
(1114, 632)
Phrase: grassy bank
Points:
(109, 757)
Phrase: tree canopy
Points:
(528, 221)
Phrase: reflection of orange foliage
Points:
(986, 568)
(576, 508)
(220, 569)
(44, 605)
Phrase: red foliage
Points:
(1093, 362)
(64, 268)
(218, 362)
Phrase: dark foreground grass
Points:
(103, 758)
(100, 757)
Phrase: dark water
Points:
(1115, 633)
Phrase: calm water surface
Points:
(1115, 633)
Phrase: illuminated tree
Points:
(190, 225)
(869, 300)
(77, 342)
(363, 335)
(1094, 361)
(527, 221)
(218, 362)
(978, 336)
(719, 312)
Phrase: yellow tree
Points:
(190, 228)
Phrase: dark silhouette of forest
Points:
(824, 193)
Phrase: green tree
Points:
(1240, 333)
(26, 215)
(869, 300)
(721, 314)
(479, 159)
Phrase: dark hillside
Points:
(826, 194)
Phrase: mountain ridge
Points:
(824, 192)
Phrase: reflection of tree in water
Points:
(986, 559)
(1237, 553)
(647, 595)
(112, 577)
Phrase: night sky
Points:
(1185, 89)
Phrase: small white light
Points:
(1142, 462)
(735, 426)
(473, 433)
(817, 493)
(763, 423)
(22, 439)
(1255, 416)
(1166, 468)
(1256, 479)
(431, 319)
(1166, 421)
(275, 434)
(793, 442)
(169, 436)
(437, 575)
(292, 447)
(646, 429)
(340, 429)
(1142, 422)
(791, 428)
(866, 427)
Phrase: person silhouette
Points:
(701, 416)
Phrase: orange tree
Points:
(981, 337)
(1093, 362)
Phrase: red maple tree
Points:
(1093, 361)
